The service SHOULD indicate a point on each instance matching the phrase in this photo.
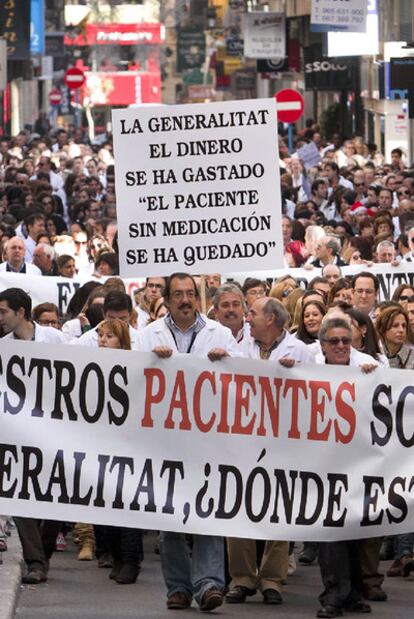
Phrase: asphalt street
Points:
(79, 590)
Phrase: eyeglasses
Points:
(405, 297)
(256, 293)
(359, 184)
(403, 193)
(334, 341)
(49, 323)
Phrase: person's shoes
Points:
(34, 577)
(60, 543)
(272, 596)
(105, 560)
(358, 607)
(238, 594)
(375, 594)
(87, 552)
(308, 554)
(3, 545)
(178, 601)
(291, 564)
(401, 567)
(329, 612)
(387, 549)
(211, 599)
(127, 574)
(407, 565)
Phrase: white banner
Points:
(264, 35)
(348, 15)
(57, 290)
(235, 448)
(195, 190)
(389, 277)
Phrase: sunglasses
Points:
(403, 193)
(334, 341)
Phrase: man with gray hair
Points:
(385, 253)
(44, 258)
(327, 252)
(230, 310)
(14, 261)
(268, 340)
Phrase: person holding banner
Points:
(125, 543)
(185, 330)
(340, 562)
(269, 340)
(38, 537)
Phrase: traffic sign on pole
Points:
(55, 96)
(74, 78)
(290, 105)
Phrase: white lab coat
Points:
(213, 335)
(290, 347)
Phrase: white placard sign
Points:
(264, 35)
(198, 188)
(238, 447)
(349, 15)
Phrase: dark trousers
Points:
(341, 574)
(38, 539)
(125, 545)
(369, 550)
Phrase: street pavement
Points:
(79, 590)
(11, 564)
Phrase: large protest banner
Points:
(198, 188)
(238, 447)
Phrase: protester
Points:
(185, 330)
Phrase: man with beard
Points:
(185, 330)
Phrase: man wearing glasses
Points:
(154, 289)
(365, 286)
(185, 330)
(341, 562)
(253, 289)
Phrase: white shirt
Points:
(48, 335)
(31, 269)
(356, 358)
(290, 347)
(143, 317)
(213, 335)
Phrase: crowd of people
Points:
(58, 217)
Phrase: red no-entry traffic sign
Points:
(55, 96)
(74, 78)
(290, 105)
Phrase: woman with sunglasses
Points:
(402, 293)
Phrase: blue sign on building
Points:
(37, 26)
